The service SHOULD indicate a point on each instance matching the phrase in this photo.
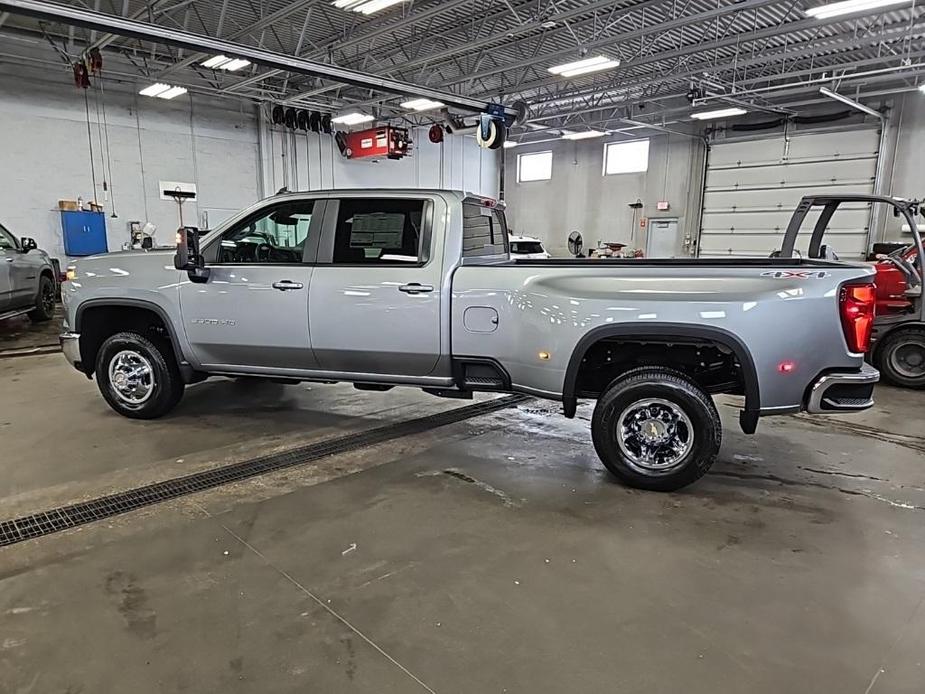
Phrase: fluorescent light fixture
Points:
(354, 118)
(719, 113)
(172, 92)
(510, 143)
(216, 61)
(154, 89)
(162, 91)
(836, 9)
(365, 6)
(223, 62)
(583, 135)
(421, 104)
(581, 67)
(236, 64)
(922, 88)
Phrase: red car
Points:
(892, 285)
(899, 329)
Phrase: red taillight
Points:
(856, 305)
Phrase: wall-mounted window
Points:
(626, 157)
(535, 166)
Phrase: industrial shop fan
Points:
(575, 244)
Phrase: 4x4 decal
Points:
(796, 274)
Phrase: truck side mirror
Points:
(28, 244)
(188, 256)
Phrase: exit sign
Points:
(662, 205)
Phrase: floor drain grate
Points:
(58, 519)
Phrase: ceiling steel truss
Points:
(767, 53)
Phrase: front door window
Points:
(277, 236)
(7, 240)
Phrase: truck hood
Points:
(146, 267)
(166, 250)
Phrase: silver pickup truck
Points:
(417, 288)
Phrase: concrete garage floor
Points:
(492, 555)
(19, 335)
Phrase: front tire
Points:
(45, 302)
(901, 358)
(138, 377)
(656, 429)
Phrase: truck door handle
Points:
(285, 285)
(415, 288)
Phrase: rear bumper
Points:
(70, 346)
(843, 391)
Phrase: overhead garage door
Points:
(752, 188)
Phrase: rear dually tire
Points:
(656, 429)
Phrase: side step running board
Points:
(17, 312)
(479, 373)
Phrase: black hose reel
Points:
(300, 119)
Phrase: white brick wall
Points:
(211, 142)
(45, 155)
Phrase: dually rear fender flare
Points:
(668, 332)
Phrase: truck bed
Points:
(689, 262)
(780, 311)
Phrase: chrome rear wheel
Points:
(656, 428)
(654, 434)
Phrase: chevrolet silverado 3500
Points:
(417, 288)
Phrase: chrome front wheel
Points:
(138, 375)
(132, 377)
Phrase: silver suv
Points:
(27, 279)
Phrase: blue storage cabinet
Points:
(84, 233)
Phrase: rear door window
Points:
(379, 231)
